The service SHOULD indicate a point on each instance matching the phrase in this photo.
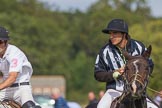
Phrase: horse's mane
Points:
(7, 103)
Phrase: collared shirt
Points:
(14, 60)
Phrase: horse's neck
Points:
(133, 102)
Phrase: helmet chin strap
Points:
(121, 40)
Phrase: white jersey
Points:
(14, 60)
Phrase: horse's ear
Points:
(126, 55)
(147, 53)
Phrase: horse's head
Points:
(137, 72)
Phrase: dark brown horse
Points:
(135, 78)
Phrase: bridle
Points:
(136, 75)
(129, 93)
(131, 80)
(143, 82)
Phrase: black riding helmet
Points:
(116, 25)
(3, 34)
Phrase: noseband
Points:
(143, 82)
(137, 80)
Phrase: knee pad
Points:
(29, 104)
(37, 106)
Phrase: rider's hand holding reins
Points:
(121, 70)
(118, 72)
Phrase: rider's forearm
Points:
(9, 81)
(104, 76)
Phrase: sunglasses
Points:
(2, 41)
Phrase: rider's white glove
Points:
(116, 74)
